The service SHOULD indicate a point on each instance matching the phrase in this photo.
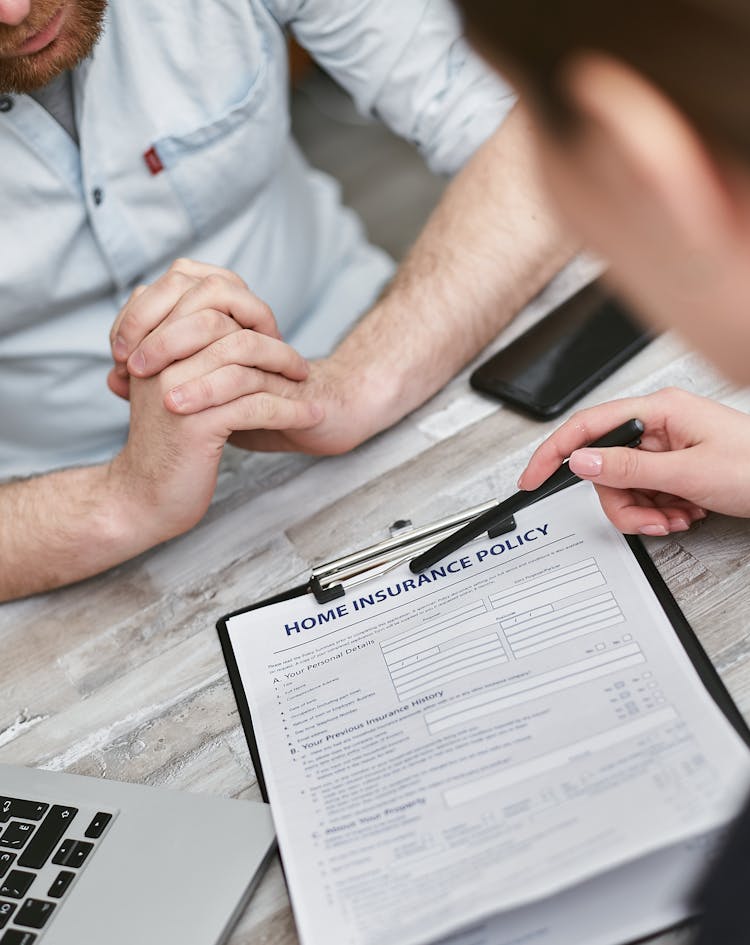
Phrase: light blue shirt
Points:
(204, 84)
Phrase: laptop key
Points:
(97, 826)
(18, 937)
(72, 853)
(66, 848)
(34, 913)
(6, 861)
(47, 835)
(6, 911)
(16, 884)
(60, 886)
(17, 835)
(23, 810)
(80, 851)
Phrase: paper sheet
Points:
(519, 719)
(621, 906)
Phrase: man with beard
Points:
(133, 132)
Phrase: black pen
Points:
(499, 520)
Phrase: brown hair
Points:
(696, 51)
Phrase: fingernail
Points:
(701, 513)
(586, 462)
(121, 370)
(678, 524)
(519, 483)
(119, 348)
(656, 530)
(137, 363)
(178, 398)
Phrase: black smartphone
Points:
(565, 355)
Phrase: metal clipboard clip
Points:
(332, 580)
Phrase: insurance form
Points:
(496, 748)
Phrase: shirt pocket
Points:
(218, 166)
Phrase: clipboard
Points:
(332, 580)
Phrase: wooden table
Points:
(121, 676)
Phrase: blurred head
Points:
(39, 39)
(642, 118)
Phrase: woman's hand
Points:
(694, 458)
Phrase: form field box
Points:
(583, 630)
(566, 622)
(517, 619)
(557, 614)
(431, 634)
(558, 759)
(539, 592)
(534, 687)
(444, 655)
(446, 663)
(453, 645)
(450, 673)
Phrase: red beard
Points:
(80, 31)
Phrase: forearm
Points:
(60, 528)
(491, 244)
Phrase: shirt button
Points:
(6, 103)
(97, 195)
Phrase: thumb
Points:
(118, 385)
(625, 468)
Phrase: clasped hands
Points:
(200, 358)
(213, 344)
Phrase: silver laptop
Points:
(87, 860)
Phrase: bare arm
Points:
(68, 525)
(490, 245)
(60, 528)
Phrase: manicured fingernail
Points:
(177, 396)
(678, 524)
(657, 531)
(586, 462)
(137, 363)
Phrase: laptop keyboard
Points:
(44, 847)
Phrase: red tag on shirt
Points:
(153, 161)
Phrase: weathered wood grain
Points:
(122, 677)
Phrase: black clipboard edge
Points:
(702, 664)
(236, 681)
